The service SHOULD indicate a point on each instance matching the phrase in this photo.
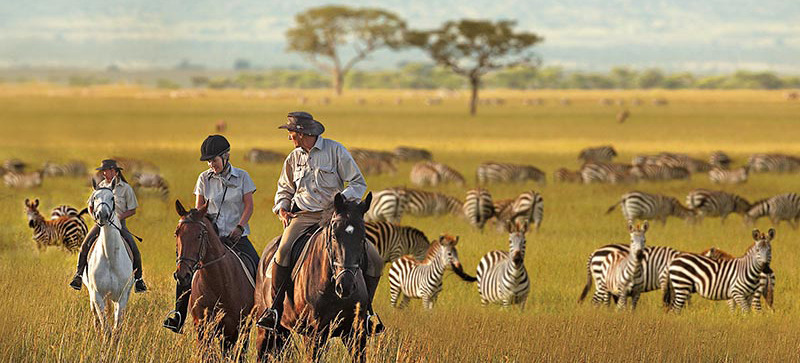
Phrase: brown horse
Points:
(221, 292)
(328, 296)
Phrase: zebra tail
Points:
(610, 209)
(463, 275)
(668, 294)
(588, 282)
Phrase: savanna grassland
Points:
(43, 320)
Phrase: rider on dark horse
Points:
(312, 174)
(229, 193)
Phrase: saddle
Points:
(248, 264)
(299, 249)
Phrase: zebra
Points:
(766, 280)
(654, 267)
(263, 156)
(715, 203)
(673, 160)
(375, 166)
(719, 159)
(405, 153)
(14, 166)
(660, 172)
(423, 203)
(478, 207)
(613, 173)
(723, 176)
(564, 175)
(528, 207)
(68, 231)
(64, 211)
(23, 180)
(387, 205)
(623, 274)
(642, 205)
(134, 166)
(778, 208)
(151, 181)
(773, 162)
(600, 153)
(394, 241)
(72, 169)
(490, 172)
(361, 154)
(409, 278)
(502, 277)
(736, 279)
(432, 173)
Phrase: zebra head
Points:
(32, 211)
(762, 247)
(516, 241)
(449, 254)
(637, 237)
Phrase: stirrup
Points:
(376, 328)
(264, 323)
(175, 328)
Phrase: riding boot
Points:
(374, 324)
(280, 279)
(176, 318)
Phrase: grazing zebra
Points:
(490, 172)
(782, 207)
(623, 273)
(599, 153)
(375, 166)
(773, 162)
(405, 153)
(528, 208)
(563, 175)
(73, 169)
(502, 278)
(394, 241)
(387, 205)
(766, 287)
(67, 231)
(263, 156)
(719, 159)
(660, 172)
(613, 173)
(478, 207)
(715, 203)
(362, 154)
(409, 278)
(432, 173)
(736, 279)
(674, 160)
(134, 166)
(722, 176)
(151, 181)
(422, 203)
(640, 205)
(14, 166)
(23, 180)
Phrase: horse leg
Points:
(99, 304)
(356, 342)
(119, 309)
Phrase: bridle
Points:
(112, 207)
(343, 268)
(198, 263)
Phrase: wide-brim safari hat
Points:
(109, 164)
(303, 123)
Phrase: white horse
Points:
(108, 276)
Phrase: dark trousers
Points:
(126, 235)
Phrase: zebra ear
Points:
(771, 233)
(756, 233)
(630, 226)
(645, 226)
(27, 202)
(179, 208)
(36, 203)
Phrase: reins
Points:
(199, 263)
(332, 262)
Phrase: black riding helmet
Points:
(213, 146)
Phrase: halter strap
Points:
(199, 264)
(333, 263)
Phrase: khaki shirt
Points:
(124, 198)
(212, 187)
(311, 179)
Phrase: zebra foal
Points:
(67, 231)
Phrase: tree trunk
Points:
(338, 81)
(473, 102)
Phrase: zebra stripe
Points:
(422, 203)
(23, 180)
(781, 163)
(622, 272)
(492, 172)
(67, 231)
(134, 166)
(736, 279)
(640, 205)
(715, 203)
(720, 176)
(152, 182)
(409, 278)
(779, 208)
(674, 160)
(612, 173)
(387, 205)
(720, 160)
(766, 280)
(405, 153)
(431, 173)
(564, 175)
(394, 241)
(502, 277)
(600, 153)
(660, 172)
(527, 208)
(71, 169)
(478, 207)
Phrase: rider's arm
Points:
(351, 174)
(247, 199)
(286, 187)
(125, 215)
(200, 191)
(200, 201)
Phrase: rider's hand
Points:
(236, 234)
(285, 216)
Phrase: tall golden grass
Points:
(44, 320)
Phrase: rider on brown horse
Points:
(229, 193)
(312, 174)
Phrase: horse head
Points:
(191, 239)
(346, 238)
(102, 204)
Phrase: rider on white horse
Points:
(126, 203)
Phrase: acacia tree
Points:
(325, 32)
(472, 48)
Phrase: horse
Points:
(328, 296)
(109, 273)
(221, 291)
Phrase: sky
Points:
(692, 35)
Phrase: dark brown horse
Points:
(219, 284)
(328, 296)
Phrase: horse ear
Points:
(94, 184)
(338, 201)
(366, 203)
(179, 208)
(203, 209)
